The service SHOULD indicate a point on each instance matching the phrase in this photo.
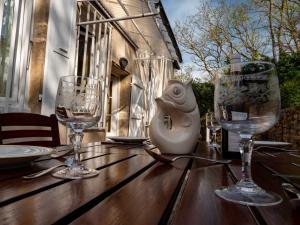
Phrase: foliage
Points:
(204, 93)
(290, 93)
(288, 69)
(185, 73)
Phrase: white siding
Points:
(60, 50)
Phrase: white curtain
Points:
(155, 73)
(161, 72)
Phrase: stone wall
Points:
(287, 129)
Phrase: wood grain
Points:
(142, 201)
(54, 204)
(199, 204)
(278, 214)
(133, 189)
(11, 191)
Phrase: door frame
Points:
(115, 105)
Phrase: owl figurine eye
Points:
(177, 91)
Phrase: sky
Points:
(177, 10)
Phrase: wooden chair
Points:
(29, 129)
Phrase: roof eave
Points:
(166, 23)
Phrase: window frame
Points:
(19, 56)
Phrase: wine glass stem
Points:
(77, 139)
(214, 137)
(246, 147)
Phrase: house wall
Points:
(121, 48)
(37, 60)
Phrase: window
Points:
(92, 43)
(15, 24)
(7, 12)
(93, 48)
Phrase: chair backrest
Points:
(29, 129)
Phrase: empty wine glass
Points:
(247, 103)
(78, 106)
(213, 125)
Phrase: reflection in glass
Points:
(6, 43)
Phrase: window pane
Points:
(5, 42)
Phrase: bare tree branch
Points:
(255, 29)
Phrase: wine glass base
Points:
(75, 173)
(214, 146)
(256, 197)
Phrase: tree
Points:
(283, 18)
(185, 73)
(216, 31)
(256, 29)
(266, 30)
(288, 69)
(204, 93)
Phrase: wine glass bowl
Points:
(78, 106)
(247, 102)
(213, 125)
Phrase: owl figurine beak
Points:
(163, 103)
(158, 100)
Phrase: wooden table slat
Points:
(11, 190)
(278, 214)
(54, 204)
(142, 201)
(200, 205)
(46, 162)
(134, 189)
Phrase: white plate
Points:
(14, 155)
(271, 143)
(128, 139)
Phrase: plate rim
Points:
(128, 138)
(38, 154)
(271, 143)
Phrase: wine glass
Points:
(78, 106)
(213, 125)
(247, 102)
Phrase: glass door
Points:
(8, 21)
(15, 32)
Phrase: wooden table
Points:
(134, 189)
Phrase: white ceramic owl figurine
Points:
(177, 101)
